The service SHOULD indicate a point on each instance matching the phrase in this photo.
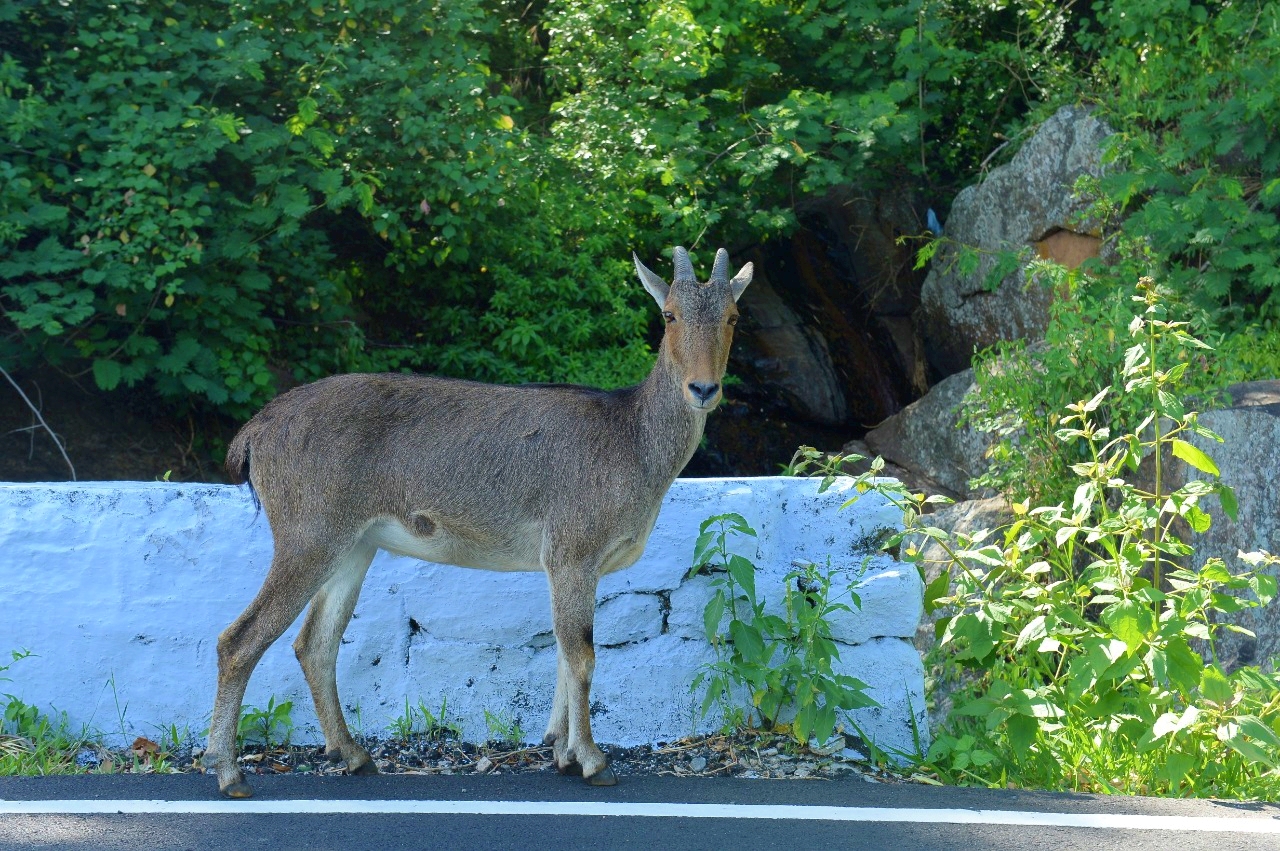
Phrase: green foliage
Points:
(719, 115)
(420, 721)
(1251, 353)
(1191, 88)
(784, 663)
(1076, 634)
(504, 729)
(1023, 389)
(31, 742)
(221, 201)
(269, 726)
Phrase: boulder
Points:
(782, 356)
(926, 439)
(914, 481)
(1246, 459)
(1026, 206)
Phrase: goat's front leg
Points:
(573, 603)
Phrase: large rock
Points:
(829, 337)
(781, 354)
(1026, 206)
(1247, 461)
(925, 438)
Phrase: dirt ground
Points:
(114, 436)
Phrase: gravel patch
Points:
(747, 754)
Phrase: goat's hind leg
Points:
(294, 578)
(317, 650)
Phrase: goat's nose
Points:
(703, 390)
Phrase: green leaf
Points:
(1215, 572)
(936, 590)
(1176, 767)
(1194, 457)
(107, 373)
(747, 641)
(1022, 732)
(1172, 722)
(990, 556)
(1227, 496)
(1131, 621)
(1183, 665)
(743, 573)
(1197, 519)
(1034, 631)
(1239, 735)
(712, 614)
(1255, 728)
(979, 634)
(1215, 686)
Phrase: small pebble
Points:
(483, 765)
(829, 747)
(698, 763)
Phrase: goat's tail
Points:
(237, 464)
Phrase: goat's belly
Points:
(442, 545)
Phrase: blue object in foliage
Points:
(931, 221)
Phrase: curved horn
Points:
(720, 272)
(684, 268)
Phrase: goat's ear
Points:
(653, 284)
(740, 280)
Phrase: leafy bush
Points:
(220, 201)
(784, 664)
(269, 726)
(1076, 633)
(1191, 87)
(1024, 389)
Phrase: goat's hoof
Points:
(364, 769)
(603, 777)
(570, 769)
(237, 789)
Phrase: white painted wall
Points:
(120, 589)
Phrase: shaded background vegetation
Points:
(212, 202)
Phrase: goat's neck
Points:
(669, 428)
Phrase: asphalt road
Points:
(548, 811)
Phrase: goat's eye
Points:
(733, 320)
(669, 316)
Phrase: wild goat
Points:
(551, 477)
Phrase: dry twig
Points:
(56, 441)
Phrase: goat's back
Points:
(489, 463)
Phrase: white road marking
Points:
(1112, 821)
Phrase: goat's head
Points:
(700, 320)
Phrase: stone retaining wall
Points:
(120, 590)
